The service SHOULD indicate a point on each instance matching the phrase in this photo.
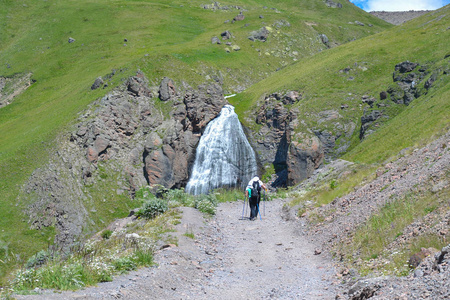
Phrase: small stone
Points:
(215, 40)
(71, 40)
(317, 252)
(418, 273)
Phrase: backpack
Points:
(256, 188)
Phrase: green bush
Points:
(106, 234)
(206, 203)
(179, 196)
(38, 259)
(124, 264)
(153, 208)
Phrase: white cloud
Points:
(403, 5)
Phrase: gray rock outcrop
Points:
(122, 141)
(167, 89)
(333, 4)
(295, 157)
(260, 35)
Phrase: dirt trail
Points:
(229, 258)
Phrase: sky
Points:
(399, 5)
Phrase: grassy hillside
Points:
(370, 62)
(163, 38)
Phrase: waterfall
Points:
(224, 157)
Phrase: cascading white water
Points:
(224, 156)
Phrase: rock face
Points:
(167, 160)
(410, 81)
(295, 157)
(368, 118)
(123, 140)
(407, 76)
(167, 89)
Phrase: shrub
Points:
(153, 208)
(206, 203)
(106, 234)
(38, 259)
(178, 197)
(124, 264)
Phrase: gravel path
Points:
(230, 258)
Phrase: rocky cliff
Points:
(145, 135)
(125, 140)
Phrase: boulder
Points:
(368, 100)
(226, 35)
(415, 259)
(239, 17)
(215, 40)
(366, 288)
(359, 23)
(291, 97)
(97, 83)
(167, 89)
(137, 86)
(259, 35)
(405, 66)
(442, 258)
(324, 39)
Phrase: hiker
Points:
(253, 194)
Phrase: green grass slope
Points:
(164, 38)
(371, 62)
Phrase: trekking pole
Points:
(243, 207)
(257, 206)
(247, 201)
(264, 203)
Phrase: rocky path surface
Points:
(228, 258)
